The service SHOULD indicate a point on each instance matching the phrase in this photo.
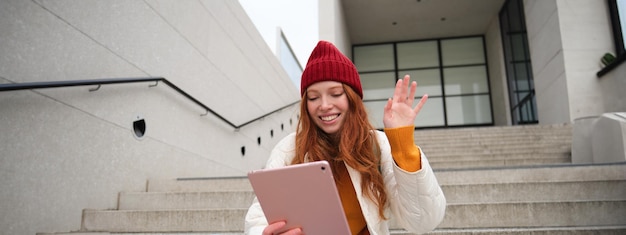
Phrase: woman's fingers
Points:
(404, 87)
(272, 228)
(388, 105)
(420, 104)
(400, 92)
(399, 110)
(411, 96)
(397, 93)
(295, 231)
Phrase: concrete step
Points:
(455, 139)
(184, 200)
(535, 214)
(496, 146)
(513, 184)
(469, 157)
(605, 230)
(487, 140)
(175, 233)
(75, 233)
(559, 129)
(555, 186)
(452, 145)
(493, 175)
(490, 138)
(199, 184)
(510, 198)
(536, 191)
(502, 147)
(163, 221)
(553, 173)
(503, 161)
(610, 188)
(458, 215)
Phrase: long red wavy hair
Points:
(354, 144)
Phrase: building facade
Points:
(66, 149)
(491, 63)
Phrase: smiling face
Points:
(327, 105)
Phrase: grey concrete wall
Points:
(546, 51)
(567, 38)
(333, 26)
(497, 74)
(599, 139)
(613, 85)
(587, 34)
(608, 138)
(66, 149)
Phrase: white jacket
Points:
(416, 201)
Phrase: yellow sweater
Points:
(406, 155)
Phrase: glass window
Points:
(428, 81)
(521, 77)
(515, 19)
(431, 114)
(617, 15)
(412, 55)
(467, 110)
(462, 51)
(527, 109)
(378, 85)
(517, 62)
(617, 10)
(374, 58)
(518, 47)
(465, 80)
(289, 61)
(621, 11)
(463, 76)
(375, 112)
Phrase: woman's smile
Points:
(326, 102)
(329, 117)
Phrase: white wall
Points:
(567, 39)
(546, 52)
(587, 35)
(66, 149)
(333, 26)
(497, 74)
(613, 85)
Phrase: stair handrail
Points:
(105, 81)
(524, 100)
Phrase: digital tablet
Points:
(304, 195)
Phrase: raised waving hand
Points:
(399, 110)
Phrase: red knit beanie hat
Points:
(327, 63)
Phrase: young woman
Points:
(378, 175)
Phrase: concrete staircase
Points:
(497, 180)
(496, 146)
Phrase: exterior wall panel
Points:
(67, 149)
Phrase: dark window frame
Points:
(441, 68)
(618, 38)
(523, 109)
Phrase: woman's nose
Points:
(326, 104)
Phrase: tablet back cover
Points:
(304, 195)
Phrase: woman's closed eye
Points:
(337, 94)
